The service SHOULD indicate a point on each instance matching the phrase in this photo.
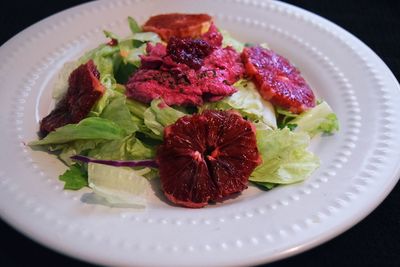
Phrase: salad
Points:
(182, 101)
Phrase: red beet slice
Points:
(277, 80)
(83, 92)
(207, 157)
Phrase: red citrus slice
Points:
(277, 80)
(207, 157)
(83, 92)
(178, 25)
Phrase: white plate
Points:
(360, 164)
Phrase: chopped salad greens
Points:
(119, 129)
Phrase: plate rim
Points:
(312, 244)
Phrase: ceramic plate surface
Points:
(360, 164)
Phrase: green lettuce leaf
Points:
(120, 61)
(91, 128)
(153, 174)
(159, 115)
(265, 185)
(319, 119)
(117, 112)
(128, 148)
(111, 35)
(284, 117)
(114, 63)
(119, 186)
(75, 178)
(133, 55)
(248, 101)
(109, 94)
(105, 58)
(136, 108)
(130, 52)
(285, 157)
(133, 25)
(126, 69)
(146, 37)
(228, 40)
(74, 148)
(330, 124)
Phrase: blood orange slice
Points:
(277, 80)
(178, 25)
(207, 157)
(83, 92)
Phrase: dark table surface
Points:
(373, 242)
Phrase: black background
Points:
(373, 242)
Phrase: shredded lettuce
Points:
(285, 157)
